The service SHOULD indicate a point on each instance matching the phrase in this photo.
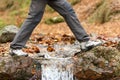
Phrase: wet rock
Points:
(18, 68)
(118, 46)
(117, 78)
(7, 33)
(4, 76)
(101, 63)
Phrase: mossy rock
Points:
(101, 63)
(104, 11)
(118, 46)
(7, 33)
(54, 20)
(49, 9)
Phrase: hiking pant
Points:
(35, 14)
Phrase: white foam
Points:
(57, 69)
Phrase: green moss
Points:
(19, 8)
(74, 2)
(102, 13)
(5, 4)
(13, 4)
(2, 24)
(118, 46)
(49, 9)
(13, 9)
(110, 55)
(54, 20)
(2, 64)
(105, 52)
(20, 4)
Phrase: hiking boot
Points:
(17, 52)
(88, 45)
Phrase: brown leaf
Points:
(50, 49)
(32, 49)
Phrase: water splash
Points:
(58, 65)
(57, 69)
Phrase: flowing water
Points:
(58, 65)
(57, 69)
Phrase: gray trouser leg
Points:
(65, 9)
(35, 14)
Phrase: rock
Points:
(101, 63)
(118, 46)
(18, 68)
(54, 20)
(7, 33)
(106, 10)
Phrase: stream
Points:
(58, 65)
(57, 69)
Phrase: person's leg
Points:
(65, 9)
(34, 16)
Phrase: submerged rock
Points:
(7, 33)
